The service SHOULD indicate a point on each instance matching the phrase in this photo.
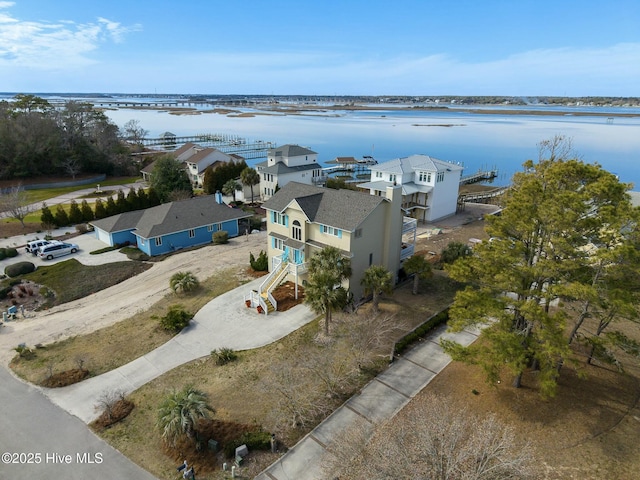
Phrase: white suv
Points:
(34, 245)
(57, 250)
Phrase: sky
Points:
(323, 47)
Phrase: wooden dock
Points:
(479, 176)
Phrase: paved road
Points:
(30, 424)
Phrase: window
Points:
(192, 233)
(357, 233)
(424, 177)
(209, 228)
(392, 177)
(277, 244)
(370, 259)
(378, 174)
(336, 232)
(158, 241)
(440, 177)
(279, 218)
(297, 231)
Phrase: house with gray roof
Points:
(429, 186)
(171, 226)
(303, 219)
(288, 163)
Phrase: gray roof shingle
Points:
(343, 209)
(171, 217)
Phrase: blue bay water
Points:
(477, 141)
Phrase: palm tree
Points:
(324, 294)
(417, 266)
(377, 280)
(330, 259)
(230, 188)
(179, 413)
(324, 291)
(251, 177)
(183, 282)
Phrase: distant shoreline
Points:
(331, 109)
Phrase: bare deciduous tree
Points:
(108, 401)
(437, 439)
(15, 203)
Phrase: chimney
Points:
(218, 198)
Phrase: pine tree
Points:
(555, 210)
(61, 217)
(87, 213)
(99, 210)
(111, 207)
(47, 219)
(75, 214)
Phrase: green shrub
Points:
(454, 251)
(261, 264)
(258, 440)
(134, 253)
(11, 252)
(3, 253)
(224, 355)
(19, 268)
(4, 291)
(176, 319)
(24, 351)
(255, 223)
(221, 237)
(420, 332)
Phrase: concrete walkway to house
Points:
(377, 402)
(224, 322)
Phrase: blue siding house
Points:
(171, 226)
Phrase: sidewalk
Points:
(377, 402)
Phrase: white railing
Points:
(407, 251)
(272, 300)
(409, 224)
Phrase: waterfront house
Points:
(172, 226)
(196, 160)
(303, 219)
(288, 163)
(429, 186)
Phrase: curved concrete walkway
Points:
(224, 322)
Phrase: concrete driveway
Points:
(87, 243)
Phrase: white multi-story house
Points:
(288, 163)
(429, 186)
(303, 219)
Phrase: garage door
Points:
(104, 237)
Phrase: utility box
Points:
(242, 451)
(213, 445)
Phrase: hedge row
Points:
(420, 332)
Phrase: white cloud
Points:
(52, 46)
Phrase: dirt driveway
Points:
(127, 298)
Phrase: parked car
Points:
(34, 246)
(57, 250)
